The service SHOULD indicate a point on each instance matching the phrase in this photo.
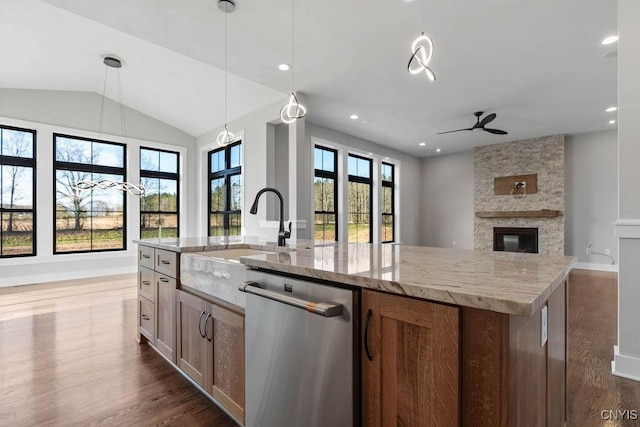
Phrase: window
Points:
(88, 220)
(325, 186)
(17, 192)
(159, 214)
(387, 202)
(225, 183)
(360, 191)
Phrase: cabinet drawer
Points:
(164, 280)
(146, 256)
(166, 262)
(146, 284)
(146, 321)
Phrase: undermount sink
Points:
(234, 254)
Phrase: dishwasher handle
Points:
(325, 309)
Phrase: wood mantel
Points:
(544, 213)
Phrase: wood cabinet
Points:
(157, 284)
(410, 362)
(210, 349)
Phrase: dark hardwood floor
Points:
(68, 356)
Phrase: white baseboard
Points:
(595, 266)
(625, 366)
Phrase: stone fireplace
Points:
(543, 157)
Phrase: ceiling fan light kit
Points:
(480, 125)
(225, 137)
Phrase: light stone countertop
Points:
(201, 244)
(505, 282)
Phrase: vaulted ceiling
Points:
(538, 65)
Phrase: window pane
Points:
(325, 227)
(235, 222)
(236, 152)
(17, 233)
(217, 161)
(387, 172)
(168, 225)
(74, 203)
(216, 225)
(149, 225)
(328, 160)
(168, 162)
(236, 192)
(17, 187)
(387, 203)
(73, 150)
(107, 230)
(353, 166)
(168, 195)
(387, 228)
(108, 155)
(317, 158)
(217, 195)
(73, 230)
(151, 199)
(364, 168)
(149, 160)
(16, 143)
(106, 199)
(324, 194)
(359, 212)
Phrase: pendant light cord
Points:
(225, 68)
(123, 123)
(104, 90)
(422, 16)
(293, 30)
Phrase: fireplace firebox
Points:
(515, 239)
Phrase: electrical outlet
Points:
(543, 326)
(607, 251)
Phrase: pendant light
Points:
(111, 61)
(421, 53)
(292, 110)
(225, 137)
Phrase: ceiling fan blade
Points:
(488, 119)
(451, 131)
(496, 131)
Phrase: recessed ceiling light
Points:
(422, 144)
(610, 40)
(284, 67)
(354, 117)
(611, 109)
(612, 122)
(437, 150)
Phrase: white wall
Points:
(591, 171)
(60, 112)
(408, 180)
(447, 209)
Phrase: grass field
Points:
(357, 232)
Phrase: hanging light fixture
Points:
(292, 110)
(225, 137)
(111, 61)
(421, 54)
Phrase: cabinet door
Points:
(410, 362)
(225, 379)
(191, 348)
(165, 316)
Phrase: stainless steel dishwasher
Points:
(301, 364)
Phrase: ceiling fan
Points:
(480, 124)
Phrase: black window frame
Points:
(226, 173)
(83, 167)
(22, 162)
(162, 175)
(389, 184)
(321, 173)
(361, 180)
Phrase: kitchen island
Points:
(449, 337)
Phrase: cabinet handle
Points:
(200, 324)
(164, 280)
(165, 262)
(145, 317)
(145, 256)
(205, 327)
(146, 282)
(366, 336)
